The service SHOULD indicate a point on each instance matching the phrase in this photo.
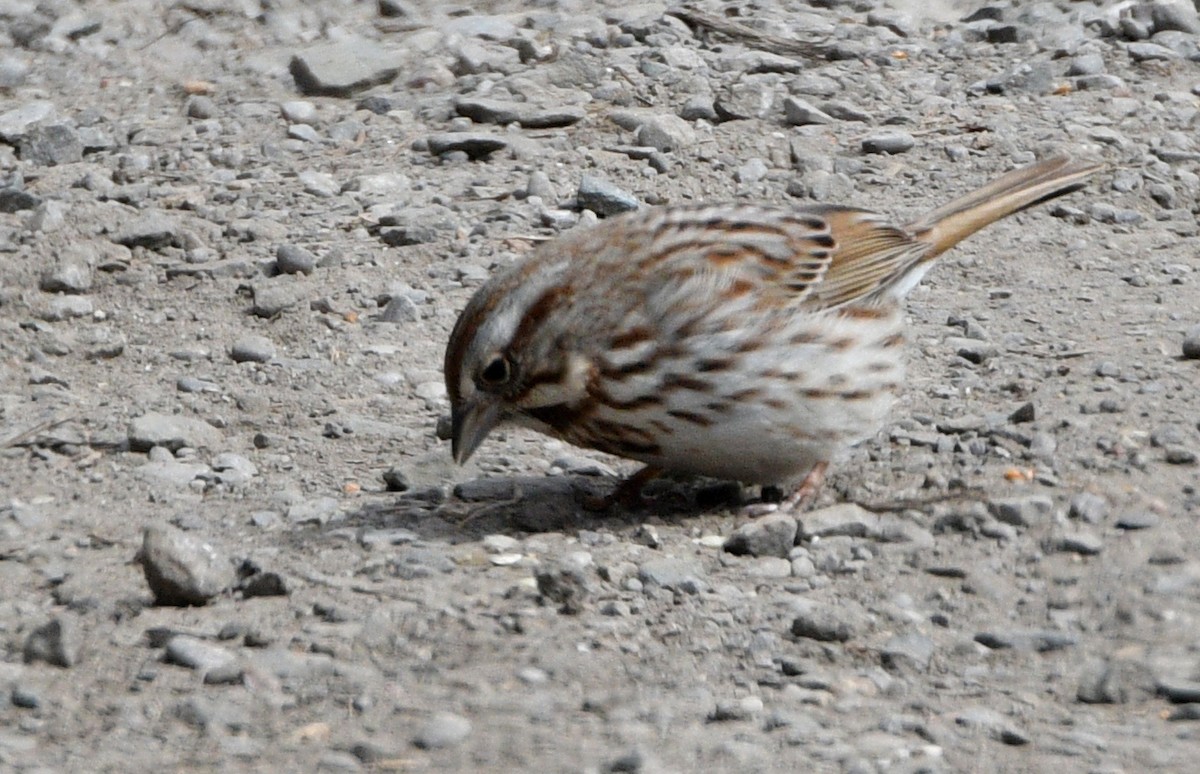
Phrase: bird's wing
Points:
(871, 258)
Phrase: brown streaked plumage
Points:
(738, 342)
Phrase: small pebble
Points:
(252, 349)
(890, 142)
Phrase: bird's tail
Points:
(953, 222)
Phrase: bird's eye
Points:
(496, 372)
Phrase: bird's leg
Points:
(808, 489)
(628, 493)
(800, 497)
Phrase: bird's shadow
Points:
(535, 504)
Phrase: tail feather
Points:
(953, 222)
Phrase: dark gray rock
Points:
(171, 431)
(1021, 511)
(828, 623)
(153, 231)
(49, 145)
(1115, 681)
(994, 724)
(272, 298)
(665, 133)
(891, 142)
(16, 200)
(252, 349)
(563, 584)
(181, 569)
(444, 729)
(1192, 343)
(293, 259)
(476, 145)
(15, 123)
(1088, 507)
(58, 642)
(772, 535)
(907, 653)
(800, 112)
(675, 574)
(342, 68)
(603, 198)
(1027, 640)
(195, 653)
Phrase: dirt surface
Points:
(234, 238)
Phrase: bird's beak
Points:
(471, 421)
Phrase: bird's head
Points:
(507, 359)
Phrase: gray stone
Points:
(1098, 82)
(399, 309)
(49, 145)
(844, 519)
(1083, 542)
(1008, 33)
(671, 573)
(171, 473)
(745, 708)
(907, 653)
(476, 145)
(666, 133)
(752, 171)
(1177, 454)
(271, 299)
(344, 67)
(201, 107)
(171, 431)
(889, 141)
(754, 96)
(1022, 511)
(972, 350)
(300, 111)
(293, 259)
(444, 729)
(12, 72)
(195, 653)
(1115, 681)
(1179, 691)
(233, 469)
(47, 217)
(320, 184)
(994, 724)
(252, 349)
(16, 122)
(1137, 520)
(1088, 507)
(530, 116)
(16, 200)
(772, 535)
(66, 308)
(1175, 16)
(844, 111)
(827, 623)
(1086, 65)
(318, 511)
(1150, 52)
(182, 569)
(1037, 641)
(799, 112)
(1191, 343)
(57, 642)
(698, 107)
(153, 231)
(604, 198)
(563, 584)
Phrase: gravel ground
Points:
(234, 237)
